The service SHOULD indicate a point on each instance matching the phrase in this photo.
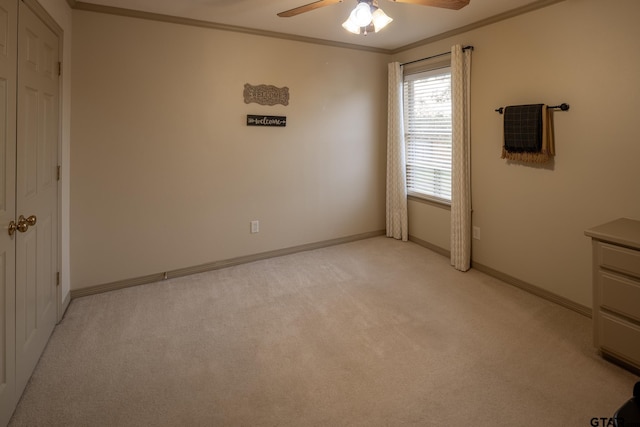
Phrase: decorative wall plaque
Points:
(266, 95)
(275, 121)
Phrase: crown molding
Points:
(91, 7)
(479, 24)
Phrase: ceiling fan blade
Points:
(307, 8)
(446, 4)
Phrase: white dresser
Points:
(616, 290)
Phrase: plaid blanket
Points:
(523, 128)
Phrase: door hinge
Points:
(59, 68)
(59, 172)
(58, 278)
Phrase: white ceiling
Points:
(412, 23)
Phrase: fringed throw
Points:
(528, 133)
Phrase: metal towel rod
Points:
(563, 107)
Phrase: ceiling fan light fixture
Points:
(380, 19)
(351, 26)
(362, 15)
(366, 16)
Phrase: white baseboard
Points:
(528, 287)
(157, 277)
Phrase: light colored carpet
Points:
(375, 332)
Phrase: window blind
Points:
(427, 110)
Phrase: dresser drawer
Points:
(620, 294)
(620, 337)
(620, 259)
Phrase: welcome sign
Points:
(270, 121)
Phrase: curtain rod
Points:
(434, 56)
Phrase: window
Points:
(427, 119)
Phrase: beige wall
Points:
(166, 174)
(532, 219)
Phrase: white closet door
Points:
(36, 190)
(8, 49)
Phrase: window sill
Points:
(433, 202)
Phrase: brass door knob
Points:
(12, 227)
(31, 220)
(24, 223)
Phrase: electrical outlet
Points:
(255, 226)
(476, 233)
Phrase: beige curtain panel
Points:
(461, 159)
(397, 221)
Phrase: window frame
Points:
(420, 74)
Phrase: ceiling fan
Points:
(446, 4)
(367, 16)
